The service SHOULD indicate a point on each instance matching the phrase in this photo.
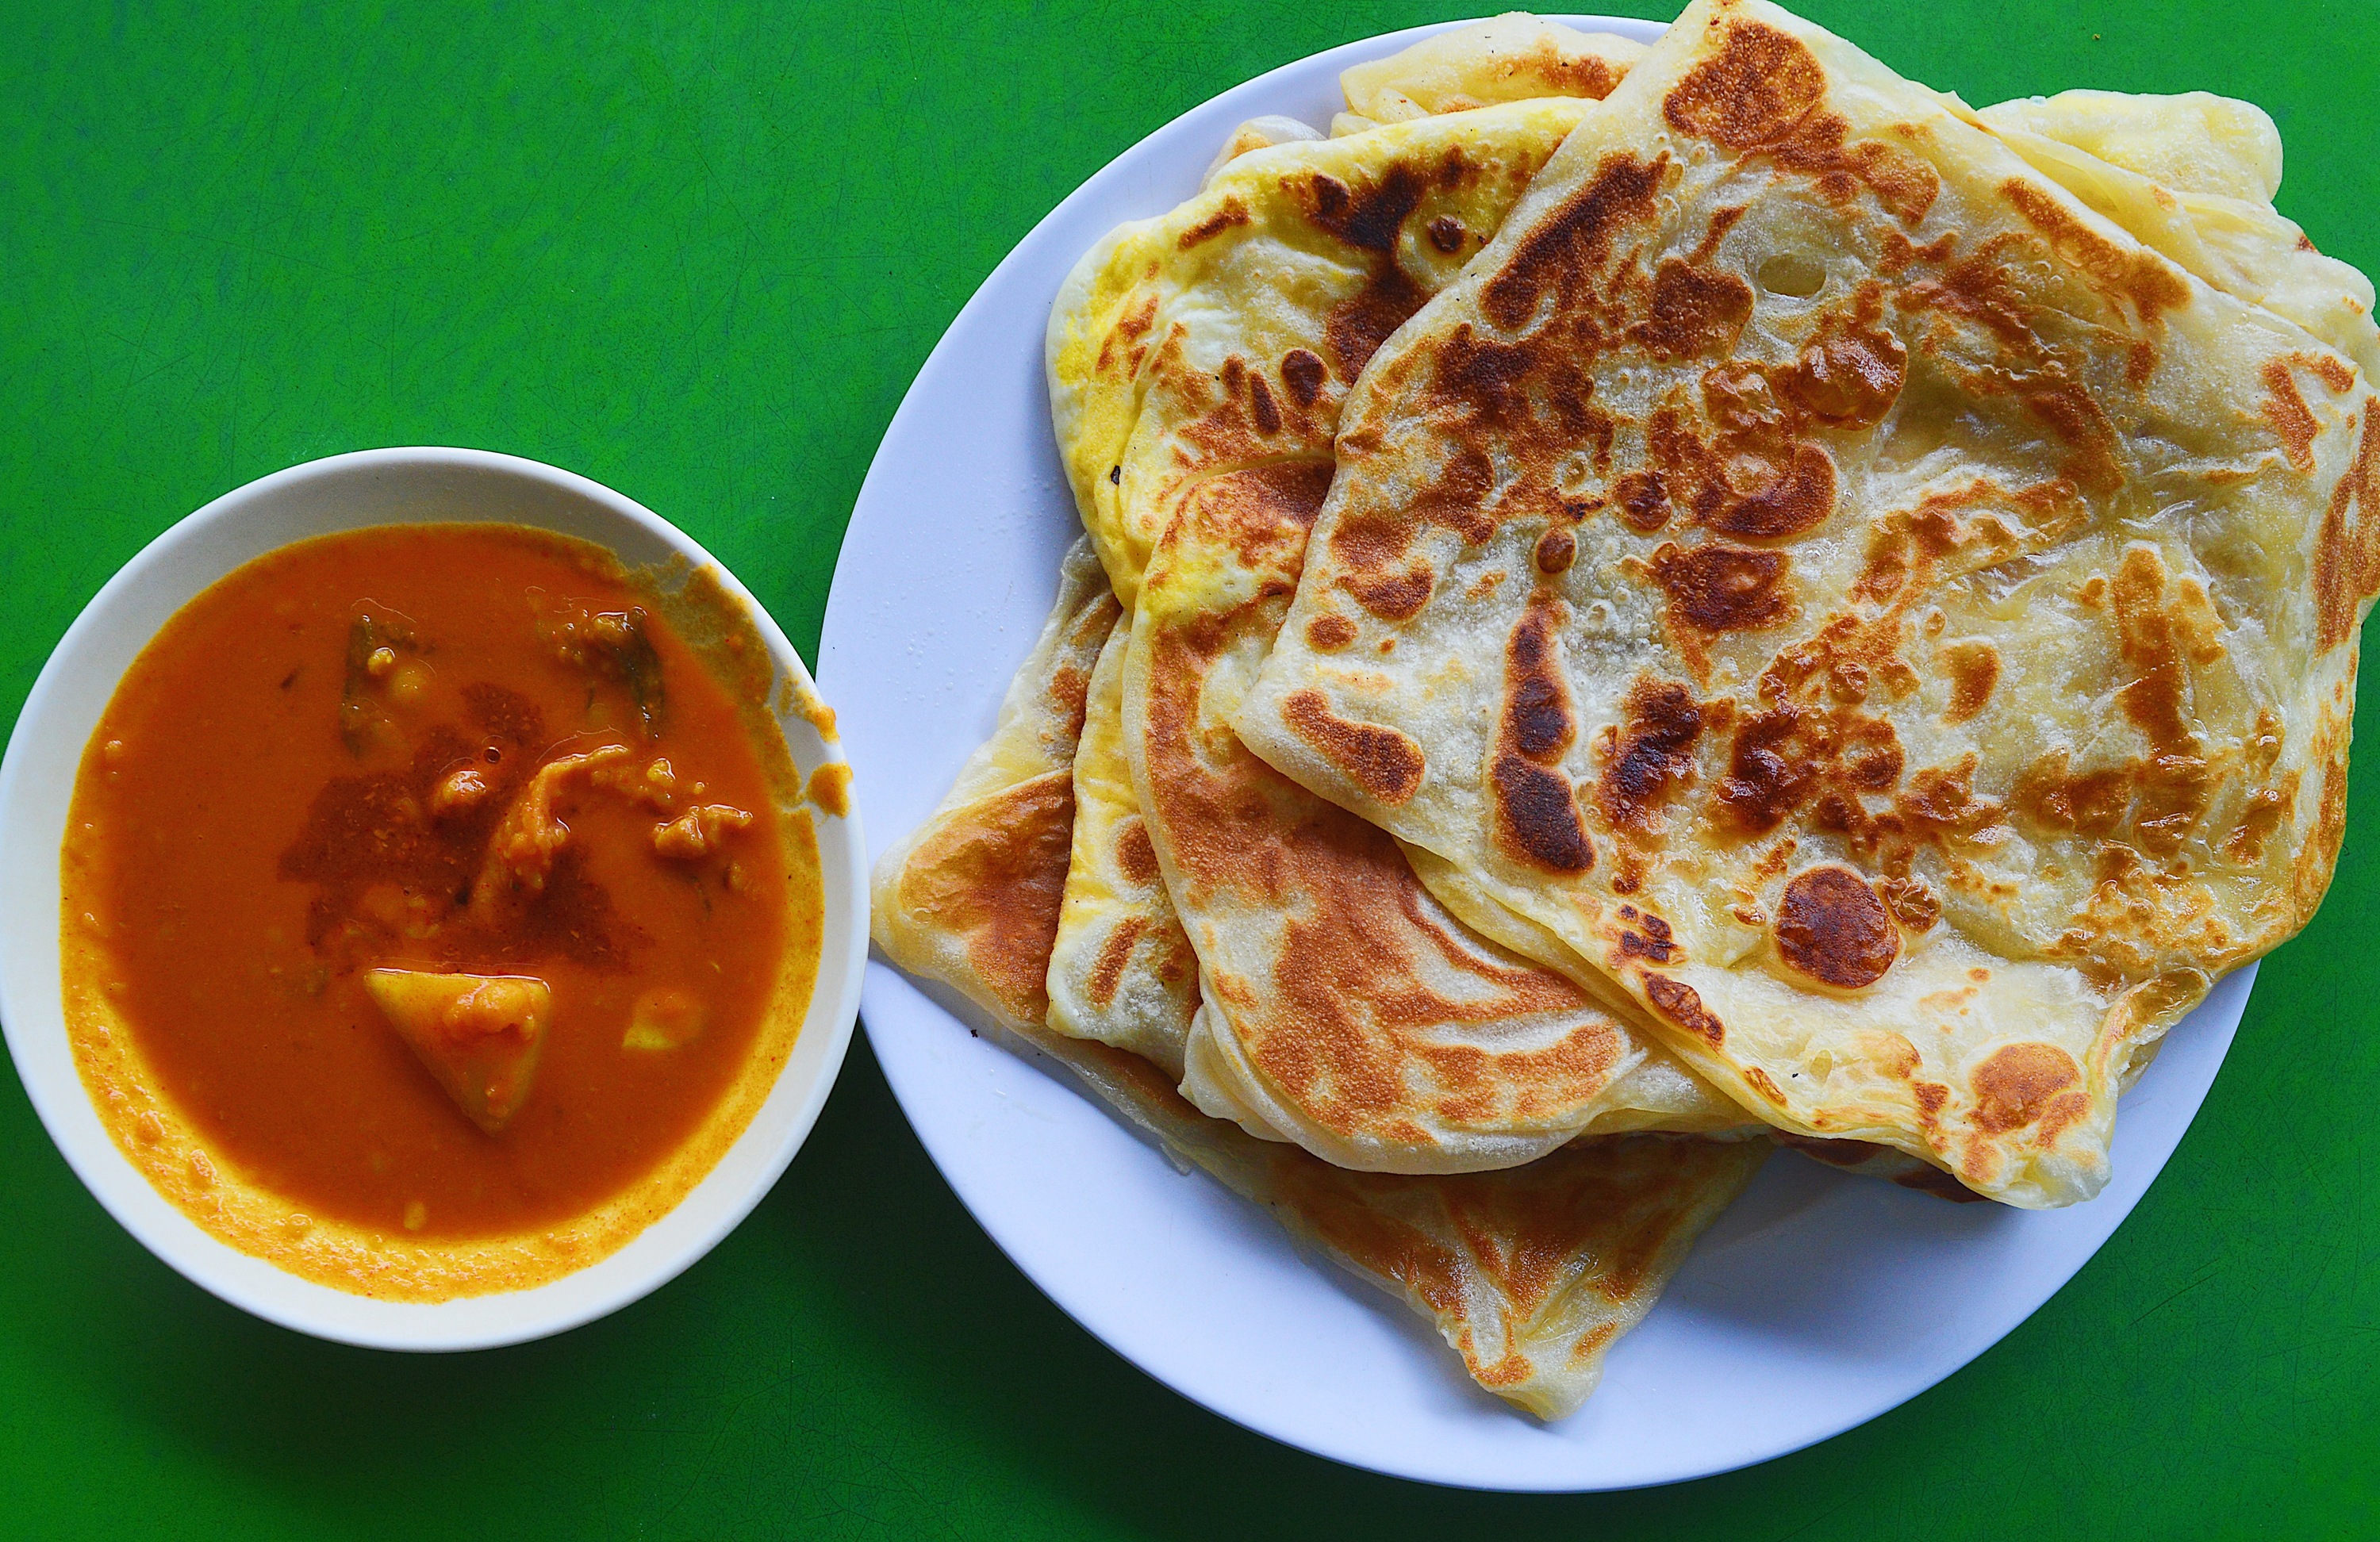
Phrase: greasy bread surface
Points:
(1531, 1274)
(1197, 364)
(1343, 1008)
(1512, 57)
(1121, 970)
(2194, 176)
(1890, 620)
(364, 898)
(1226, 334)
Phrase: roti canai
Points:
(1890, 621)
(1531, 1274)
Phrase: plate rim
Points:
(2216, 1019)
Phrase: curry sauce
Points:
(438, 913)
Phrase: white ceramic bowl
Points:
(377, 487)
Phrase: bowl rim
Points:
(33, 1021)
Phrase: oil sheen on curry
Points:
(438, 904)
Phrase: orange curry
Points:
(438, 914)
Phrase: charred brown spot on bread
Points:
(1262, 405)
(1851, 376)
(2132, 277)
(1536, 703)
(1834, 928)
(1693, 310)
(1489, 382)
(1265, 511)
(1457, 499)
(1107, 969)
(1371, 545)
(1753, 93)
(1537, 811)
(1356, 326)
(2052, 795)
(1652, 754)
(1384, 763)
(2318, 858)
(1556, 548)
(1329, 632)
(1792, 499)
(2347, 549)
(995, 878)
(2292, 421)
(1559, 251)
(1119, 350)
(1682, 1005)
(2332, 371)
(1069, 698)
(1651, 939)
(1230, 214)
(1587, 75)
(1764, 93)
(1397, 596)
(1643, 501)
(1720, 588)
(1536, 816)
(1765, 1085)
(1302, 373)
(1796, 752)
(1136, 854)
(1457, 169)
(1446, 232)
(2173, 782)
(2018, 1084)
(2070, 413)
(1974, 666)
(2259, 815)
(1367, 217)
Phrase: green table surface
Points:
(696, 251)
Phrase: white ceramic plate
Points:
(376, 487)
(1816, 1304)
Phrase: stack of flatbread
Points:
(1641, 604)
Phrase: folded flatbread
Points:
(1893, 622)
(1512, 57)
(1345, 1007)
(1197, 363)
(1121, 970)
(2194, 176)
(1224, 334)
(1531, 1274)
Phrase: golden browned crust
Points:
(1531, 1273)
(1345, 1008)
(1925, 607)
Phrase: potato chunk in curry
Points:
(480, 1035)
